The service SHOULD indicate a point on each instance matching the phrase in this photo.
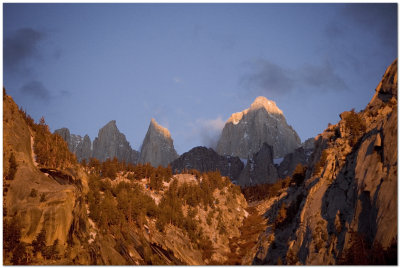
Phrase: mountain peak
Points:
(245, 132)
(112, 123)
(269, 105)
(158, 146)
(259, 103)
(164, 131)
(110, 143)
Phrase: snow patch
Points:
(278, 161)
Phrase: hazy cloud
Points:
(20, 47)
(36, 89)
(322, 77)
(271, 79)
(268, 77)
(209, 130)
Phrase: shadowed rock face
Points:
(66, 135)
(206, 159)
(158, 146)
(111, 143)
(260, 168)
(84, 149)
(80, 147)
(300, 156)
(245, 132)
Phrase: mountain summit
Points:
(245, 132)
(158, 146)
(112, 143)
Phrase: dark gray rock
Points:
(289, 163)
(158, 146)
(74, 143)
(260, 168)
(84, 149)
(245, 132)
(66, 135)
(111, 143)
(206, 159)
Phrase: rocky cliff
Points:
(300, 156)
(206, 159)
(245, 132)
(158, 146)
(260, 168)
(111, 143)
(343, 207)
(82, 148)
(34, 200)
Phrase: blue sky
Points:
(190, 66)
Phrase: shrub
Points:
(39, 244)
(19, 255)
(299, 174)
(33, 193)
(355, 125)
(321, 163)
(12, 167)
(11, 234)
(361, 251)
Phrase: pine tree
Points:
(19, 255)
(11, 234)
(39, 244)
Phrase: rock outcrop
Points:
(260, 168)
(84, 149)
(66, 135)
(206, 159)
(158, 146)
(111, 143)
(245, 132)
(35, 200)
(345, 211)
(81, 147)
(309, 144)
(300, 156)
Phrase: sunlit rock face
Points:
(206, 159)
(245, 132)
(158, 146)
(112, 143)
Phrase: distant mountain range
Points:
(244, 135)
